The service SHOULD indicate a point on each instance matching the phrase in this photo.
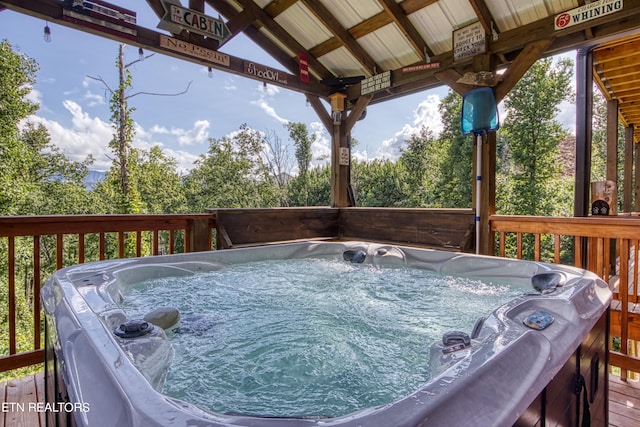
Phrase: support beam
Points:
(339, 172)
(450, 78)
(520, 66)
(612, 150)
(488, 190)
(356, 112)
(336, 28)
(406, 27)
(584, 116)
(636, 185)
(322, 113)
(612, 141)
(627, 185)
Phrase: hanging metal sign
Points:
(178, 18)
(102, 16)
(375, 83)
(421, 67)
(469, 41)
(587, 12)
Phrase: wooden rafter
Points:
(346, 39)
(520, 66)
(370, 25)
(276, 7)
(157, 7)
(278, 33)
(406, 27)
(485, 17)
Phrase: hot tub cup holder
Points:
(547, 282)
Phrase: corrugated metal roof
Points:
(345, 39)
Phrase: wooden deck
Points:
(19, 400)
(20, 397)
(624, 402)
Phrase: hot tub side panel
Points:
(559, 404)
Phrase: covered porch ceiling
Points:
(617, 71)
(341, 42)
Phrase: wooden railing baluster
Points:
(601, 235)
(75, 226)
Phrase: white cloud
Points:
(426, 115)
(87, 136)
(268, 91)
(321, 147)
(34, 96)
(93, 99)
(230, 85)
(90, 136)
(199, 134)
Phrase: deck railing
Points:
(31, 248)
(607, 246)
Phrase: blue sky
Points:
(75, 109)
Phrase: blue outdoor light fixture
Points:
(479, 116)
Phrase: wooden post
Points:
(584, 132)
(339, 153)
(612, 141)
(488, 201)
(636, 187)
(627, 185)
(199, 235)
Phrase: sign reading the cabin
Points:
(587, 12)
(375, 83)
(265, 73)
(178, 18)
(102, 16)
(469, 41)
(194, 51)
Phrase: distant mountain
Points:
(93, 178)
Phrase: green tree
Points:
(531, 134)
(312, 185)
(35, 179)
(379, 183)
(454, 183)
(232, 174)
(17, 75)
(421, 160)
(158, 181)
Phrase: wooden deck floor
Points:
(624, 402)
(19, 398)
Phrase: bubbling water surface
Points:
(308, 337)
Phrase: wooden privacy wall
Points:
(246, 227)
(450, 229)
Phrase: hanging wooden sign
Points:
(178, 18)
(265, 73)
(194, 51)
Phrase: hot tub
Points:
(539, 356)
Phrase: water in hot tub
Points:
(308, 337)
